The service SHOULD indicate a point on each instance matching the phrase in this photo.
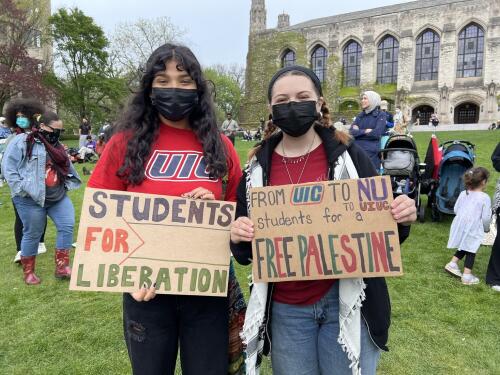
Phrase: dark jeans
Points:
(469, 258)
(18, 230)
(493, 271)
(232, 138)
(154, 330)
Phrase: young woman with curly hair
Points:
(172, 114)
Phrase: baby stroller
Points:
(457, 157)
(400, 160)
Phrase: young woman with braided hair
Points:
(302, 317)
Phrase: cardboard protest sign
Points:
(325, 230)
(127, 240)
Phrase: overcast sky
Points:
(217, 30)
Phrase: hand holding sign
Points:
(242, 229)
(200, 193)
(403, 210)
(145, 294)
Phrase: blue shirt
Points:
(5, 132)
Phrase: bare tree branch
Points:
(133, 42)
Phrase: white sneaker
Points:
(453, 269)
(496, 288)
(469, 279)
(17, 258)
(41, 248)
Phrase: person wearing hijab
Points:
(369, 125)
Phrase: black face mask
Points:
(295, 118)
(174, 104)
(51, 137)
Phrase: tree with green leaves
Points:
(83, 80)
(228, 91)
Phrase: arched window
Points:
(36, 40)
(318, 62)
(352, 64)
(470, 51)
(288, 58)
(427, 56)
(387, 60)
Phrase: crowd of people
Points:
(350, 318)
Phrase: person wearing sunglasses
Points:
(39, 174)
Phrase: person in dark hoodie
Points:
(369, 125)
(309, 335)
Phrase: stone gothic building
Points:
(425, 56)
(41, 45)
(37, 42)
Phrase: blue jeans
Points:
(304, 340)
(34, 218)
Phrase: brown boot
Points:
(29, 270)
(63, 271)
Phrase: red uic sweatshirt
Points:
(315, 169)
(176, 166)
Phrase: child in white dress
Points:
(473, 215)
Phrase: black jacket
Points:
(495, 158)
(376, 309)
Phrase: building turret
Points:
(257, 16)
(283, 20)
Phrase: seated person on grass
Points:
(88, 149)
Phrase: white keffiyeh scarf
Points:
(351, 292)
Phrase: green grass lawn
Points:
(439, 326)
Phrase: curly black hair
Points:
(141, 118)
(27, 106)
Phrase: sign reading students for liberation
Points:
(130, 240)
(325, 230)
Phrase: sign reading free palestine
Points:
(128, 240)
(325, 230)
